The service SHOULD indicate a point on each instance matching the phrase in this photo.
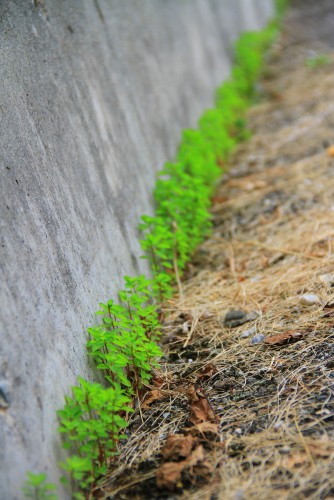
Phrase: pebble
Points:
(327, 279)
(284, 450)
(237, 318)
(278, 425)
(185, 327)
(257, 339)
(309, 299)
(234, 314)
(248, 333)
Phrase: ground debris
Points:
(177, 446)
(284, 338)
(201, 411)
(170, 473)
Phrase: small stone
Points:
(236, 318)
(248, 333)
(309, 299)
(238, 431)
(257, 339)
(234, 314)
(285, 450)
(252, 315)
(327, 279)
(190, 360)
(185, 327)
(166, 414)
(278, 425)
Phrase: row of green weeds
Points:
(124, 345)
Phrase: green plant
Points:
(37, 488)
(124, 344)
(316, 61)
(92, 425)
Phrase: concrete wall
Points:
(94, 95)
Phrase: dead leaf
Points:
(206, 427)
(207, 372)
(330, 151)
(177, 446)
(157, 381)
(196, 456)
(169, 474)
(153, 395)
(201, 411)
(284, 338)
(191, 393)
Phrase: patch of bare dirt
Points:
(243, 405)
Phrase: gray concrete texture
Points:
(93, 97)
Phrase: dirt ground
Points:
(243, 404)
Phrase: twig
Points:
(192, 329)
(307, 449)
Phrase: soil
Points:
(242, 406)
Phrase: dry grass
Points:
(273, 242)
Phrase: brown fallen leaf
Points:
(152, 396)
(201, 411)
(157, 381)
(178, 446)
(207, 372)
(205, 427)
(330, 151)
(191, 393)
(196, 456)
(169, 474)
(283, 338)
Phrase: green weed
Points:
(37, 487)
(92, 425)
(317, 61)
(124, 344)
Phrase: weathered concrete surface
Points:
(94, 95)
